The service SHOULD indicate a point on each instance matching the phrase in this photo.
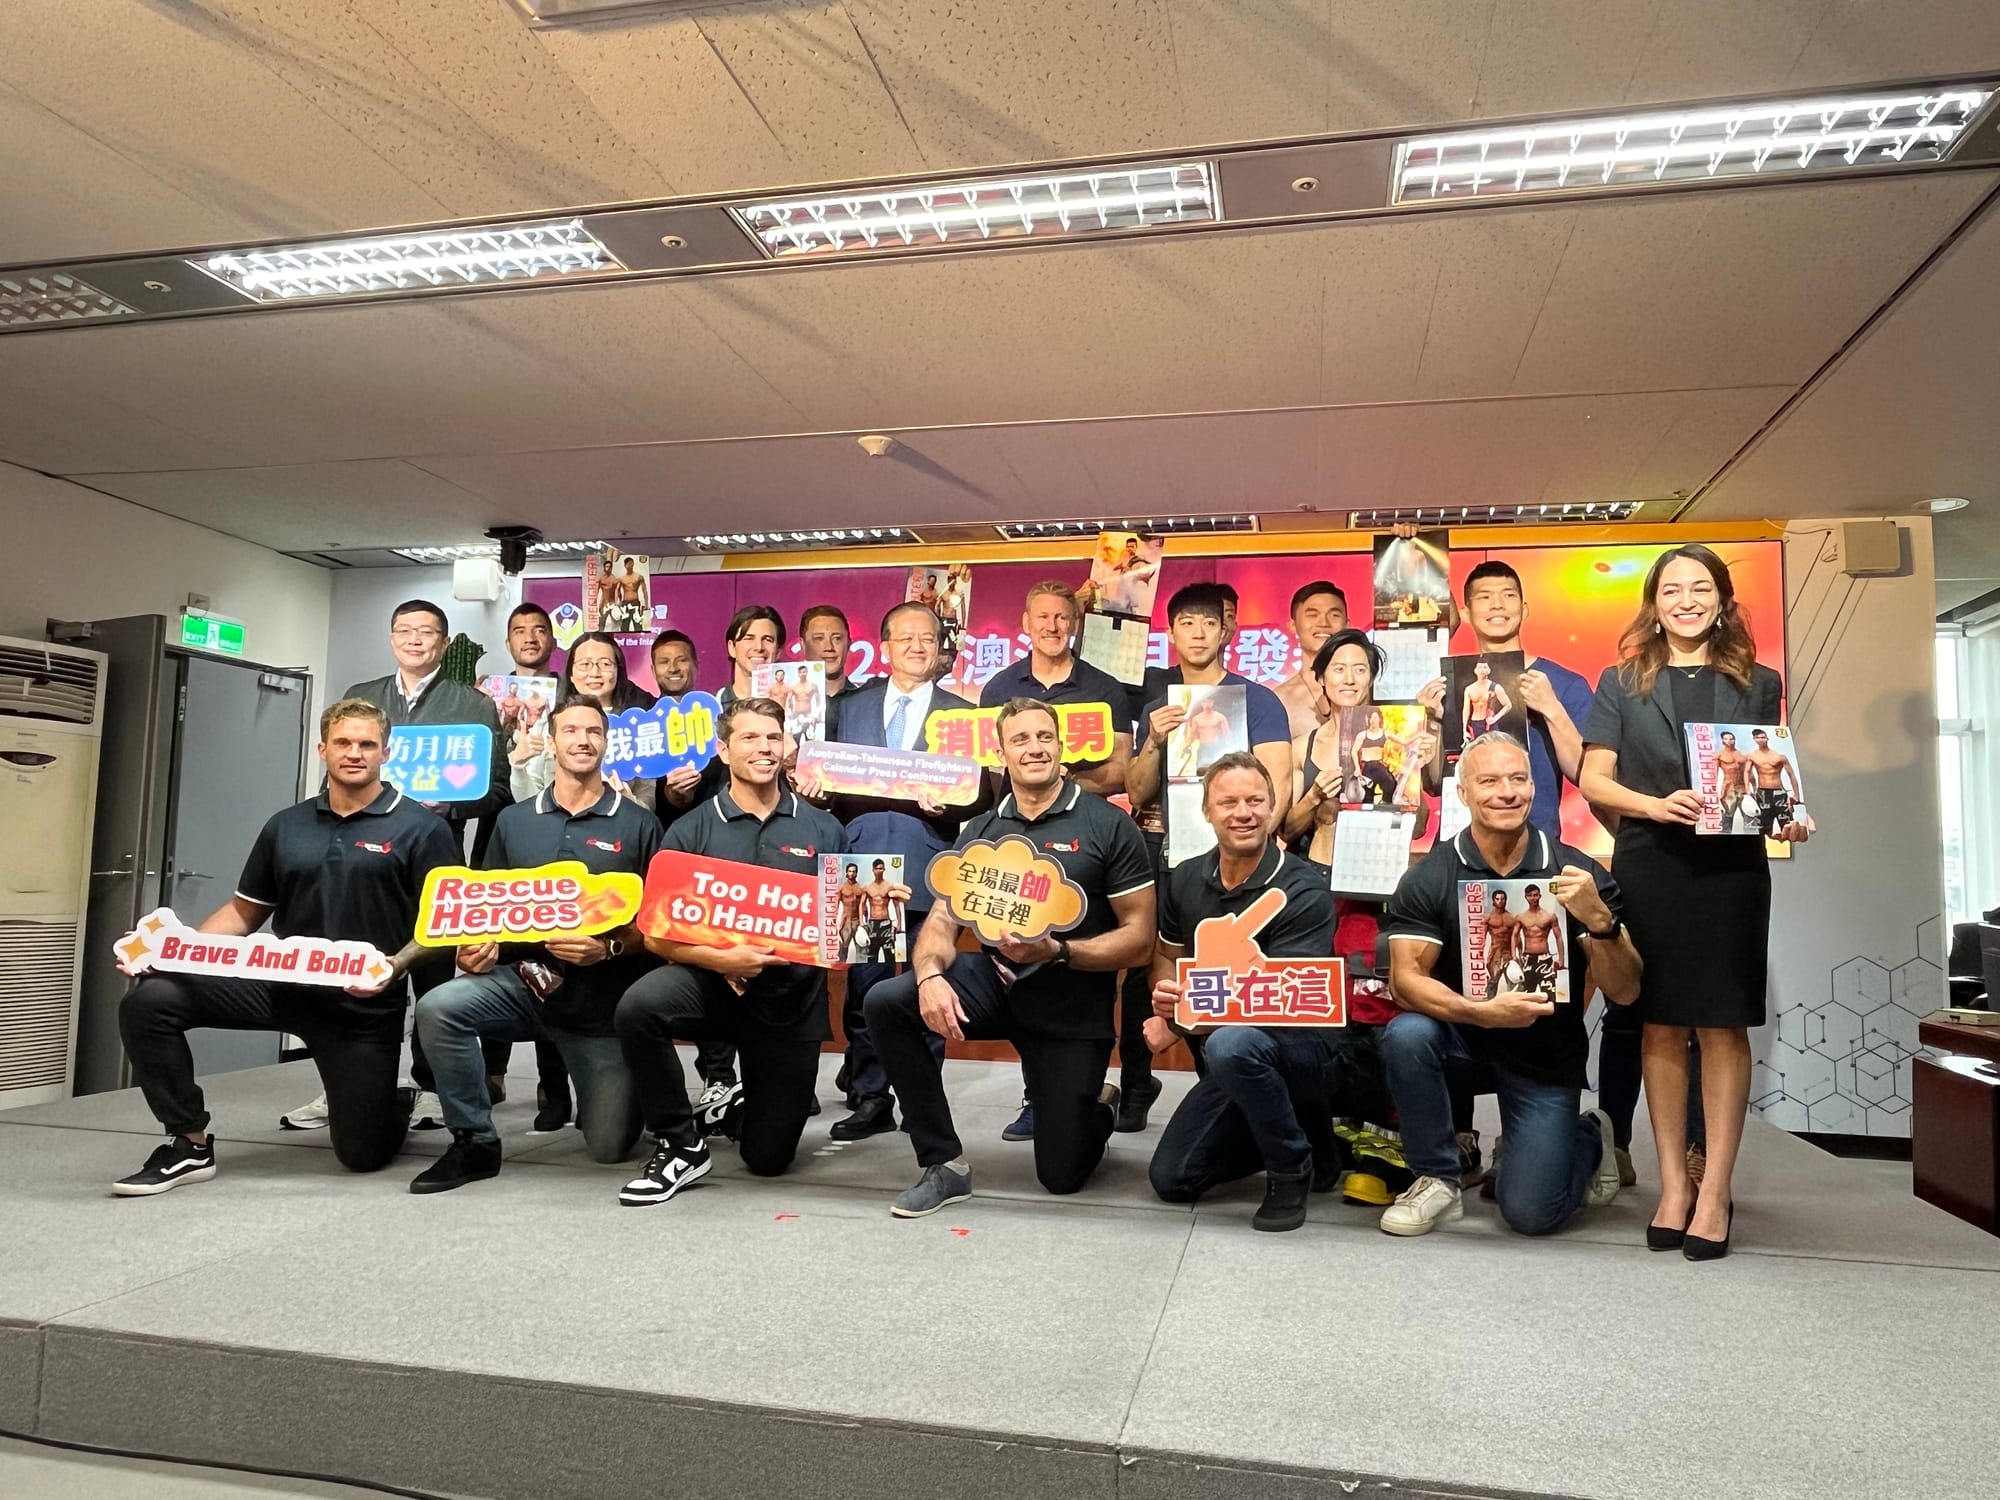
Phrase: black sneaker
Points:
(465, 1160)
(670, 1169)
(551, 1113)
(179, 1160)
(1135, 1103)
(1284, 1205)
(719, 1110)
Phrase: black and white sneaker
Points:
(719, 1112)
(179, 1160)
(670, 1169)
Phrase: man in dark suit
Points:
(892, 711)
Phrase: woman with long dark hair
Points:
(1699, 908)
(595, 669)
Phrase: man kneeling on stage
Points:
(1052, 997)
(1524, 1045)
(773, 1011)
(1257, 1082)
(565, 989)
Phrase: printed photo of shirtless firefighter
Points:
(1747, 776)
(873, 901)
(1513, 940)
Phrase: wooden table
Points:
(1955, 1122)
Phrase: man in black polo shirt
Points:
(774, 1012)
(1257, 1082)
(1520, 1044)
(1054, 673)
(348, 865)
(565, 989)
(1052, 998)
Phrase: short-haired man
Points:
(563, 991)
(1052, 997)
(349, 866)
(772, 1011)
(1319, 612)
(417, 692)
(1777, 785)
(1052, 672)
(1195, 626)
(894, 711)
(674, 663)
(1519, 1043)
(825, 636)
(1257, 1082)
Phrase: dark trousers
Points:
(1064, 1074)
(1135, 1001)
(675, 1003)
(1619, 1075)
(356, 1049)
(715, 1061)
(1259, 1086)
(866, 1078)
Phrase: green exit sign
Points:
(210, 633)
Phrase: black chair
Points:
(1965, 968)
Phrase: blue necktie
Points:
(898, 722)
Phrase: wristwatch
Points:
(1062, 951)
(1617, 926)
(613, 948)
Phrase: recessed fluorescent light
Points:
(769, 541)
(1492, 515)
(1945, 504)
(1773, 139)
(570, 12)
(54, 297)
(491, 549)
(443, 258)
(1001, 208)
(1016, 531)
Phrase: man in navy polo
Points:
(348, 865)
(564, 990)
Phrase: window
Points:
(1954, 740)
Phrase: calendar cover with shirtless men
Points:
(1483, 693)
(1511, 939)
(1217, 722)
(618, 592)
(865, 903)
(1747, 776)
(799, 688)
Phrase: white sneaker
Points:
(427, 1113)
(1604, 1182)
(714, 1094)
(1425, 1204)
(306, 1117)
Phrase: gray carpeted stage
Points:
(529, 1338)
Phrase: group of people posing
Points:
(608, 1013)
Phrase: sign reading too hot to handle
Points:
(718, 903)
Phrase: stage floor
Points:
(527, 1337)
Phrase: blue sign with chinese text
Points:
(642, 743)
(440, 762)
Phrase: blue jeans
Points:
(455, 1018)
(1244, 1114)
(1551, 1149)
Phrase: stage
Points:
(527, 1337)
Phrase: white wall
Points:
(1856, 934)
(358, 636)
(70, 553)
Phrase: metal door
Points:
(237, 752)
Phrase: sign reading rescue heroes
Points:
(1227, 981)
(1086, 730)
(1006, 888)
(461, 906)
(718, 903)
(162, 942)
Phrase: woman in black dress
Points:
(1699, 907)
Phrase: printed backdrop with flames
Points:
(1580, 598)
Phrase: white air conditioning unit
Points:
(51, 720)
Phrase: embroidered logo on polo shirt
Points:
(796, 852)
(1056, 846)
(382, 848)
(612, 846)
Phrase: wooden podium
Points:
(1955, 1122)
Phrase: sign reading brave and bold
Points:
(162, 942)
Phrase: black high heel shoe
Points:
(1697, 1248)
(1661, 1237)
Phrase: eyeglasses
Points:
(415, 633)
(913, 640)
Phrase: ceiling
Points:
(1769, 351)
